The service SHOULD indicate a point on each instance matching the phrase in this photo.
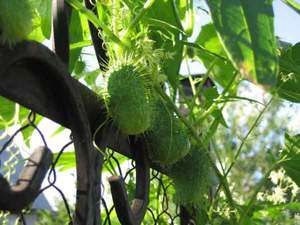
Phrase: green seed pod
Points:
(15, 20)
(191, 177)
(168, 139)
(129, 100)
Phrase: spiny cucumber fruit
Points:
(129, 100)
(168, 138)
(191, 178)
(15, 20)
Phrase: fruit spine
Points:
(129, 100)
(168, 138)
(191, 173)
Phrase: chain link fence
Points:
(161, 209)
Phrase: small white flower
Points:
(294, 189)
(277, 196)
(260, 196)
(276, 176)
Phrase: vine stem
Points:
(95, 21)
(147, 6)
(201, 48)
(247, 135)
(243, 143)
(194, 133)
(192, 83)
(176, 13)
(114, 18)
(200, 86)
(257, 189)
(215, 105)
(293, 4)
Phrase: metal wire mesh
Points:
(161, 209)
(13, 160)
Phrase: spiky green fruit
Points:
(191, 177)
(129, 100)
(15, 20)
(168, 138)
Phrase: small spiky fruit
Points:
(129, 100)
(15, 20)
(191, 177)
(168, 139)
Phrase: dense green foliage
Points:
(15, 25)
(229, 155)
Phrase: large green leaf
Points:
(44, 8)
(166, 38)
(292, 153)
(222, 70)
(37, 33)
(247, 33)
(288, 85)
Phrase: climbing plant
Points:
(185, 119)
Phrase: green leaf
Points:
(247, 33)
(288, 84)
(66, 161)
(90, 15)
(167, 39)
(271, 211)
(218, 115)
(37, 33)
(210, 95)
(7, 111)
(293, 206)
(81, 44)
(79, 68)
(57, 131)
(186, 12)
(76, 35)
(292, 153)
(91, 76)
(222, 70)
(44, 10)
